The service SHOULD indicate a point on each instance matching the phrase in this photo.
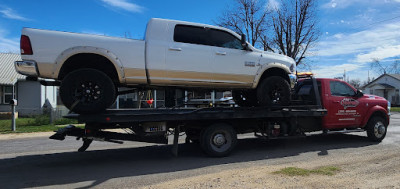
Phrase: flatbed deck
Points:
(187, 114)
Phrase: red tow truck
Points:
(327, 105)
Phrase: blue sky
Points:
(353, 31)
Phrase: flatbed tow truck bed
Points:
(154, 125)
(186, 114)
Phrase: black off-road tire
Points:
(87, 91)
(218, 140)
(376, 129)
(273, 90)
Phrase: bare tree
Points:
(380, 68)
(247, 17)
(295, 28)
(356, 83)
(292, 30)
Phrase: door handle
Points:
(220, 53)
(336, 101)
(175, 49)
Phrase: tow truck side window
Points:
(341, 89)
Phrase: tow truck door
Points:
(343, 106)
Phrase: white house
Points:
(31, 95)
(387, 86)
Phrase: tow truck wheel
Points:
(273, 90)
(87, 91)
(218, 140)
(376, 129)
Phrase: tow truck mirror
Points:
(243, 41)
(359, 94)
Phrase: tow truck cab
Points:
(346, 106)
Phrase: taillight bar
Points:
(25, 45)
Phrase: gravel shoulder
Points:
(366, 169)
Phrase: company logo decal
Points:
(349, 103)
(249, 64)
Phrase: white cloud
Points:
(11, 14)
(382, 41)
(380, 53)
(335, 70)
(8, 44)
(124, 5)
(273, 5)
(342, 4)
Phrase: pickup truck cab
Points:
(173, 53)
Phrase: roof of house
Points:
(387, 86)
(395, 76)
(8, 75)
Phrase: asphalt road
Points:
(44, 163)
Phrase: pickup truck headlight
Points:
(388, 107)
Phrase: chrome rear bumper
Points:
(27, 67)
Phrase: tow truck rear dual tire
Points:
(87, 91)
(218, 140)
(376, 129)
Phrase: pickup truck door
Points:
(188, 56)
(344, 109)
(232, 66)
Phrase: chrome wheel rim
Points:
(379, 129)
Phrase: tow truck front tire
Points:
(87, 91)
(376, 129)
(218, 140)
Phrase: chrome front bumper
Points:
(293, 80)
(27, 67)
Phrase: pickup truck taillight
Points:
(25, 45)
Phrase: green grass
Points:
(295, 171)
(35, 124)
(395, 109)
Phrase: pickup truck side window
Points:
(341, 89)
(224, 39)
(191, 34)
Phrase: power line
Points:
(381, 21)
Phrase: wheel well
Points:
(275, 72)
(378, 114)
(88, 60)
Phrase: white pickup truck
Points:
(90, 68)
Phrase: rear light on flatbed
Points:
(25, 45)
